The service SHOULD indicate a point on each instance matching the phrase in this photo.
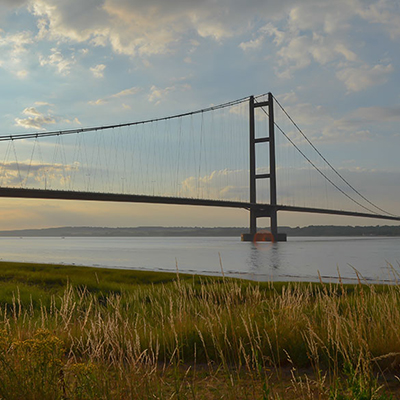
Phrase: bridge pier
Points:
(271, 211)
(271, 235)
(264, 237)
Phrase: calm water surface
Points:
(296, 259)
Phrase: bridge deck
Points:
(263, 210)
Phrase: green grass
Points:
(72, 332)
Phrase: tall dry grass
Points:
(227, 339)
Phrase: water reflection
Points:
(275, 260)
(264, 258)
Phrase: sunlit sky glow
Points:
(333, 64)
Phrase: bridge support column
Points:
(253, 235)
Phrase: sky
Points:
(334, 65)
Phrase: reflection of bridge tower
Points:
(271, 211)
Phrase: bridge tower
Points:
(270, 210)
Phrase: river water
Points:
(299, 259)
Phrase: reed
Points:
(193, 337)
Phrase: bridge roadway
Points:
(262, 210)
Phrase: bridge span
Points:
(197, 161)
(260, 210)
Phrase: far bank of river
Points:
(161, 231)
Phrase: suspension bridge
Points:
(247, 154)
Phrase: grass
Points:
(87, 333)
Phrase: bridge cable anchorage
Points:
(328, 163)
(324, 175)
(7, 137)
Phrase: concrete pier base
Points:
(264, 237)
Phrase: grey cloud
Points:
(14, 3)
(375, 115)
(149, 27)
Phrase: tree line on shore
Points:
(160, 231)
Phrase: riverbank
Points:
(89, 333)
(162, 231)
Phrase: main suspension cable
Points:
(99, 128)
(328, 163)
(324, 175)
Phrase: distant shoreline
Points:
(159, 231)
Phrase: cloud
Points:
(147, 28)
(318, 32)
(43, 103)
(268, 30)
(359, 78)
(299, 51)
(252, 44)
(38, 120)
(36, 174)
(305, 114)
(14, 52)
(385, 13)
(22, 74)
(377, 114)
(123, 93)
(157, 95)
(17, 42)
(219, 184)
(57, 60)
(372, 117)
(98, 70)
(35, 119)
(303, 33)
(31, 111)
(318, 124)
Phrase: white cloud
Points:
(17, 42)
(269, 30)
(98, 70)
(252, 44)
(98, 102)
(359, 78)
(123, 93)
(157, 95)
(31, 111)
(31, 173)
(35, 119)
(56, 59)
(14, 52)
(219, 184)
(22, 74)
(38, 120)
(126, 92)
(43, 103)
(299, 51)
